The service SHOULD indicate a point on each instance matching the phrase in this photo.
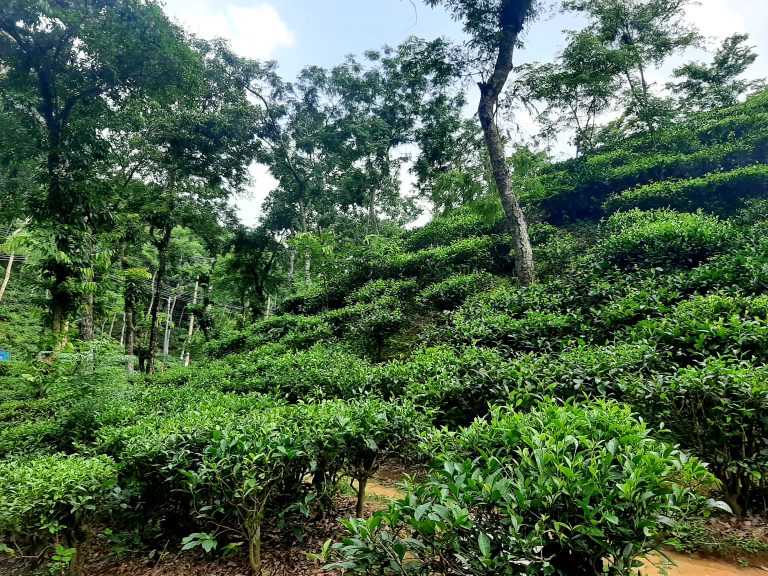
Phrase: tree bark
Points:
(162, 264)
(112, 324)
(191, 324)
(129, 330)
(152, 295)
(7, 276)
(167, 335)
(514, 13)
(360, 506)
(86, 324)
(373, 221)
(292, 269)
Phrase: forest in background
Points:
(571, 353)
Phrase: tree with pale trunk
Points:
(494, 28)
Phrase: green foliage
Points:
(228, 462)
(557, 490)
(322, 371)
(457, 385)
(710, 325)
(490, 253)
(53, 406)
(719, 411)
(375, 322)
(375, 290)
(478, 322)
(50, 497)
(354, 438)
(294, 331)
(662, 239)
(719, 192)
(452, 292)
(703, 143)
(452, 227)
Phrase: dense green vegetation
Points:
(178, 378)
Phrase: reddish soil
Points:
(694, 566)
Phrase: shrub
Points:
(376, 289)
(214, 465)
(719, 192)
(375, 322)
(227, 463)
(453, 227)
(557, 490)
(353, 438)
(531, 331)
(457, 385)
(313, 374)
(450, 293)
(296, 332)
(554, 249)
(718, 410)
(744, 270)
(48, 499)
(489, 253)
(710, 325)
(662, 239)
(595, 371)
(322, 371)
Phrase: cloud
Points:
(255, 31)
(249, 204)
(719, 18)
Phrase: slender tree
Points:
(494, 27)
(703, 86)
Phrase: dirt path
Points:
(684, 565)
(689, 566)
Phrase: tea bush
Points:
(457, 384)
(489, 253)
(48, 499)
(453, 227)
(293, 331)
(353, 438)
(561, 489)
(710, 325)
(375, 289)
(227, 463)
(720, 192)
(451, 293)
(718, 410)
(375, 322)
(663, 239)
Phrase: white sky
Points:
(302, 32)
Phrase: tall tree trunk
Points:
(112, 324)
(128, 329)
(308, 269)
(513, 17)
(292, 269)
(86, 324)
(7, 276)
(162, 264)
(191, 324)
(167, 335)
(373, 221)
(152, 295)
